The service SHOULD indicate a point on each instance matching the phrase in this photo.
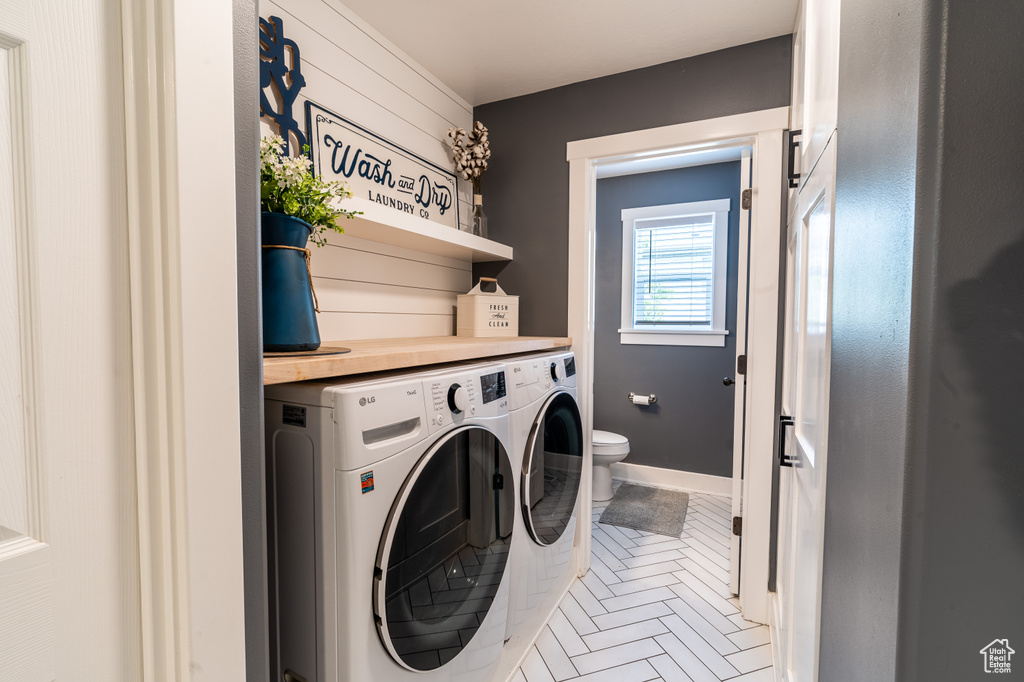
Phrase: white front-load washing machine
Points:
(547, 454)
(391, 506)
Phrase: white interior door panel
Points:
(805, 402)
(26, 589)
(739, 397)
(69, 587)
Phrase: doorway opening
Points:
(670, 317)
(756, 141)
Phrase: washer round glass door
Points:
(552, 468)
(444, 549)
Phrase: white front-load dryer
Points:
(547, 454)
(391, 506)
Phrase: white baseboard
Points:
(670, 478)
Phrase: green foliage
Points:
(288, 186)
(655, 301)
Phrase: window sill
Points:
(667, 337)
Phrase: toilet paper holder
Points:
(638, 399)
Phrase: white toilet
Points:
(608, 448)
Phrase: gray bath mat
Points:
(641, 507)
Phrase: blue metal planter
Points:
(289, 316)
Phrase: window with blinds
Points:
(673, 273)
(674, 263)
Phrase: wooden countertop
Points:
(378, 355)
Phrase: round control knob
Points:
(458, 398)
(557, 371)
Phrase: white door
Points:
(805, 403)
(69, 585)
(739, 410)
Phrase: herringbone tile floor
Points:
(654, 607)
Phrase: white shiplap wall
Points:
(369, 290)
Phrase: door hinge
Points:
(741, 364)
(785, 461)
(745, 199)
(737, 526)
(794, 143)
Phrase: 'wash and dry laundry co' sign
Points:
(379, 170)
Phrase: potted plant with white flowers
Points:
(470, 153)
(297, 206)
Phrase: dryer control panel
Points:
(533, 377)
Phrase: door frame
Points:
(763, 130)
(182, 258)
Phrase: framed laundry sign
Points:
(379, 170)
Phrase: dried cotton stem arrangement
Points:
(470, 152)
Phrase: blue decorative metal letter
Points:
(275, 74)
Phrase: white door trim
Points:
(156, 339)
(763, 131)
(582, 259)
(766, 231)
(676, 138)
(181, 199)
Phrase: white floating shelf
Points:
(389, 226)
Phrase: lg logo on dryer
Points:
(363, 402)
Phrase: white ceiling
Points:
(487, 50)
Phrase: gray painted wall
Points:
(876, 165)
(250, 338)
(963, 535)
(690, 428)
(924, 528)
(526, 188)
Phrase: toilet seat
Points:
(608, 443)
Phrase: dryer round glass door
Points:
(444, 549)
(552, 468)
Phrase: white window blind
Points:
(673, 272)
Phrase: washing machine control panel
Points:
(452, 398)
(493, 386)
(557, 371)
(458, 398)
